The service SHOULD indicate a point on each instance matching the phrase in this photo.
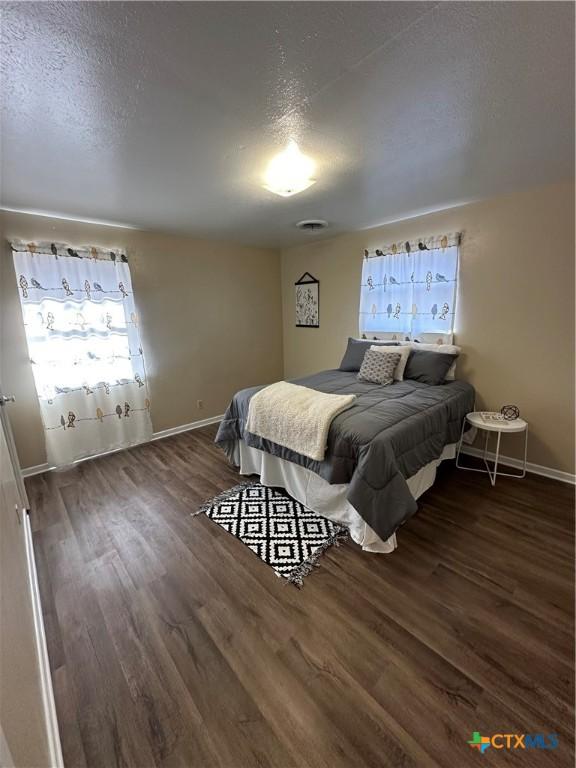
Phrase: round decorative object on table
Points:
(494, 422)
(510, 412)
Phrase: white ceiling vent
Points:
(311, 226)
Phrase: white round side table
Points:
(500, 427)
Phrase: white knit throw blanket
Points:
(295, 417)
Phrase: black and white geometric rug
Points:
(283, 533)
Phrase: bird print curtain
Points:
(84, 346)
(410, 288)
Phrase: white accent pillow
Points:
(447, 349)
(404, 352)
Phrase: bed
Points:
(381, 454)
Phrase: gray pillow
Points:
(428, 367)
(356, 350)
(378, 367)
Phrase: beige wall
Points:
(210, 318)
(211, 323)
(515, 311)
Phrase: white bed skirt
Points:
(328, 500)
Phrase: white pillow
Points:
(446, 349)
(404, 352)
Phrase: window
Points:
(76, 344)
(84, 346)
(410, 288)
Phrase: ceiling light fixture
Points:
(289, 172)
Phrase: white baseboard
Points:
(186, 427)
(536, 469)
(39, 468)
(48, 704)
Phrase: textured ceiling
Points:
(164, 115)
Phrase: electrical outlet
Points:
(199, 403)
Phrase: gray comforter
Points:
(384, 438)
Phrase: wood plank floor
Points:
(171, 644)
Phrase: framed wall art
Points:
(307, 294)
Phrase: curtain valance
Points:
(435, 242)
(65, 250)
